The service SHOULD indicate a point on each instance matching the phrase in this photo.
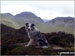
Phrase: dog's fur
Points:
(36, 38)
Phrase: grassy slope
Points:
(47, 29)
(9, 22)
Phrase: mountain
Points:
(57, 24)
(45, 20)
(7, 15)
(62, 21)
(65, 24)
(28, 17)
(20, 19)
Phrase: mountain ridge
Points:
(28, 16)
(62, 21)
(55, 24)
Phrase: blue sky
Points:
(44, 9)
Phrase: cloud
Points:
(43, 9)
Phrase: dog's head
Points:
(29, 27)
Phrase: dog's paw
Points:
(26, 45)
(45, 46)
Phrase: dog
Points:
(35, 36)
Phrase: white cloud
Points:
(43, 9)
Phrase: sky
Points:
(44, 9)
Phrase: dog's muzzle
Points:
(29, 29)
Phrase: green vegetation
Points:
(48, 29)
(9, 22)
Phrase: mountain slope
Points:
(62, 24)
(24, 17)
(62, 21)
(8, 20)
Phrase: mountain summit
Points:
(28, 16)
(25, 14)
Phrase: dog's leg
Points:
(31, 42)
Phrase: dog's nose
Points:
(28, 29)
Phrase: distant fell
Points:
(62, 21)
(28, 16)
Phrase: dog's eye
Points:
(32, 26)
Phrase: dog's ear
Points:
(33, 25)
(26, 24)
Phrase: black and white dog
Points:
(35, 36)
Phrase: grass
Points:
(9, 22)
(48, 29)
